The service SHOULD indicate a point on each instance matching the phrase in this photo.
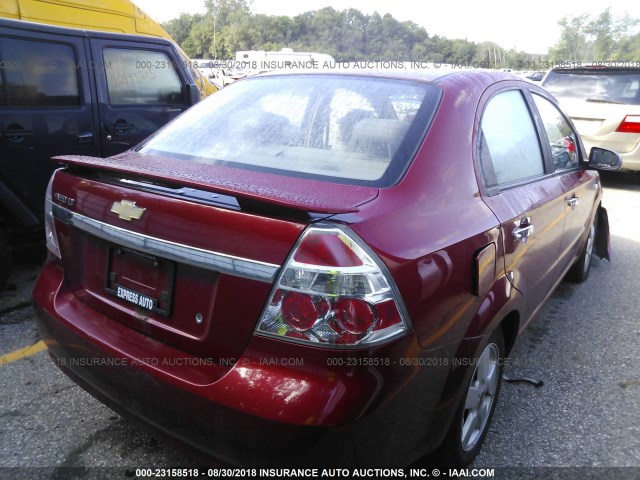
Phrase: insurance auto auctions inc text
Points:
(351, 473)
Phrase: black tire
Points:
(467, 433)
(579, 272)
(5, 260)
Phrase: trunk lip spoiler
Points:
(197, 257)
(308, 195)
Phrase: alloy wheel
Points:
(480, 397)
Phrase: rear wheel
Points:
(579, 272)
(5, 260)
(472, 420)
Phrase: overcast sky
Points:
(529, 26)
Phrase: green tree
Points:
(201, 41)
(440, 49)
(629, 48)
(272, 33)
(180, 28)
(353, 37)
(573, 40)
(602, 30)
(224, 12)
(238, 34)
(395, 39)
(374, 37)
(462, 51)
(600, 38)
(349, 35)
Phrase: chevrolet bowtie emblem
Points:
(127, 210)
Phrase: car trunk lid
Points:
(192, 273)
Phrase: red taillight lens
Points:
(301, 311)
(353, 316)
(332, 291)
(630, 124)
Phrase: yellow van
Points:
(118, 16)
(76, 91)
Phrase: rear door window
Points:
(509, 147)
(141, 77)
(38, 74)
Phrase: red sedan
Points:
(321, 269)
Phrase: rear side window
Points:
(38, 74)
(562, 139)
(596, 85)
(345, 129)
(141, 77)
(509, 147)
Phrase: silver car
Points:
(604, 104)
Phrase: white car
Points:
(604, 104)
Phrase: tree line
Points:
(598, 38)
(349, 35)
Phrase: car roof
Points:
(26, 26)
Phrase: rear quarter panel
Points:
(428, 228)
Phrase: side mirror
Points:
(603, 159)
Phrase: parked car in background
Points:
(217, 72)
(604, 104)
(535, 76)
(321, 269)
(116, 16)
(69, 91)
(255, 61)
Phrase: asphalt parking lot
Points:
(584, 346)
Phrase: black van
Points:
(70, 91)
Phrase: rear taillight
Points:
(333, 292)
(49, 225)
(630, 124)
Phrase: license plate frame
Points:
(160, 303)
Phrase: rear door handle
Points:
(121, 127)
(573, 202)
(17, 135)
(84, 138)
(524, 230)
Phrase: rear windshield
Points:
(604, 86)
(345, 129)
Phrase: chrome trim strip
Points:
(219, 262)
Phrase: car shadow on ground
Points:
(621, 180)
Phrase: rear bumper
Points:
(631, 161)
(258, 411)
